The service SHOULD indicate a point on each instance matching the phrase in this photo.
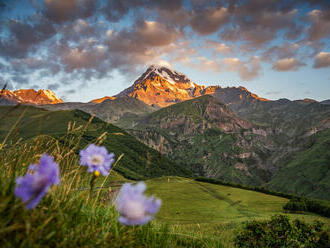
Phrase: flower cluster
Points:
(133, 206)
(34, 186)
(97, 159)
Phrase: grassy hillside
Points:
(139, 161)
(193, 214)
(308, 172)
(207, 137)
(215, 211)
(190, 202)
(71, 214)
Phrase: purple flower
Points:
(134, 207)
(35, 185)
(97, 159)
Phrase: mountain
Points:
(308, 171)
(122, 111)
(327, 102)
(139, 161)
(163, 86)
(292, 118)
(99, 100)
(204, 135)
(226, 133)
(28, 96)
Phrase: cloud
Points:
(177, 17)
(322, 60)
(320, 24)
(204, 64)
(85, 39)
(19, 79)
(81, 29)
(115, 10)
(274, 93)
(77, 58)
(5, 84)
(54, 86)
(209, 21)
(281, 51)
(247, 70)
(219, 47)
(67, 10)
(146, 41)
(287, 64)
(142, 36)
(25, 37)
(256, 29)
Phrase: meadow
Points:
(193, 213)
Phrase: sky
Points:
(87, 49)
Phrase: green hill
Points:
(208, 138)
(204, 135)
(139, 161)
(308, 172)
(193, 213)
(187, 201)
(215, 211)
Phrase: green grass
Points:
(309, 170)
(209, 203)
(214, 210)
(139, 161)
(187, 201)
(71, 215)
(193, 214)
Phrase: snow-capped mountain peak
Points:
(30, 96)
(166, 73)
(162, 86)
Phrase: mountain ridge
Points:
(163, 86)
(29, 96)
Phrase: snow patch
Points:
(161, 71)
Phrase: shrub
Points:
(308, 205)
(279, 231)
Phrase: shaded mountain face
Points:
(210, 139)
(123, 111)
(202, 110)
(293, 118)
(28, 96)
(326, 102)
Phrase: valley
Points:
(223, 133)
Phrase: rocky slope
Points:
(123, 111)
(211, 140)
(28, 96)
(205, 135)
